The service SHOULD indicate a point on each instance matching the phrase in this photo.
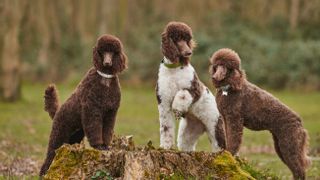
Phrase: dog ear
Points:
(119, 62)
(192, 44)
(124, 61)
(236, 79)
(96, 57)
(169, 49)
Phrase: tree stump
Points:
(125, 161)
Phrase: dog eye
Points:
(214, 68)
(99, 52)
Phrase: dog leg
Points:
(234, 131)
(292, 147)
(276, 146)
(211, 124)
(220, 133)
(167, 126)
(58, 136)
(92, 125)
(205, 110)
(108, 126)
(190, 129)
(181, 103)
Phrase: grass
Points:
(25, 127)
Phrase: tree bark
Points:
(125, 161)
(10, 56)
(43, 54)
(294, 14)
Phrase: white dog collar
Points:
(225, 89)
(108, 76)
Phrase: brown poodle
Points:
(91, 109)
(244, 104)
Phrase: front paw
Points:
(102, 147)
(166, 146)
(178, 114)
(182, 101)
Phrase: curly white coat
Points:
(201, 116)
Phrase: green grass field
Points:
(25, 126)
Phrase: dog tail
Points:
(51, 102)
(307, 160)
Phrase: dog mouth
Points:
(220, 73)
(185, 50)
(186, 54)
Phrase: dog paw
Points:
(182, 101)
(178, 114)
(102, 147)
(167, 146)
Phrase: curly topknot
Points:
(227, 57)
(109, 43)
(178, 31)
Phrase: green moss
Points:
(146, 174)
(254, 172)
(69, 159)
(176, 176)
(75, 161)
(226, 166)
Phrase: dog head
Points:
(108, 55)
(225, 69)
(177, 43)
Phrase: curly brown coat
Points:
(174, 33)
(245, 105)
(91, 109)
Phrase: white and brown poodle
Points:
(182, 95)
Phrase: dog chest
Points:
(172, 80)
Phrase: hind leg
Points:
(276, 147)
(190, 130)
(205, 109)
(58, 136)
(291, 146)
(211, 127)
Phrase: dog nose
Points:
(109, 63)
(214, 77)
(217, 77)
(187, 53)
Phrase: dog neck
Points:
(225, 89)
(166, 62)
(108, 76)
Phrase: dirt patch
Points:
(19, 167)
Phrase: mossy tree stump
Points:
(125, 161)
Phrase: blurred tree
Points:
(13, 10)
(294, 13)
(56, 37)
